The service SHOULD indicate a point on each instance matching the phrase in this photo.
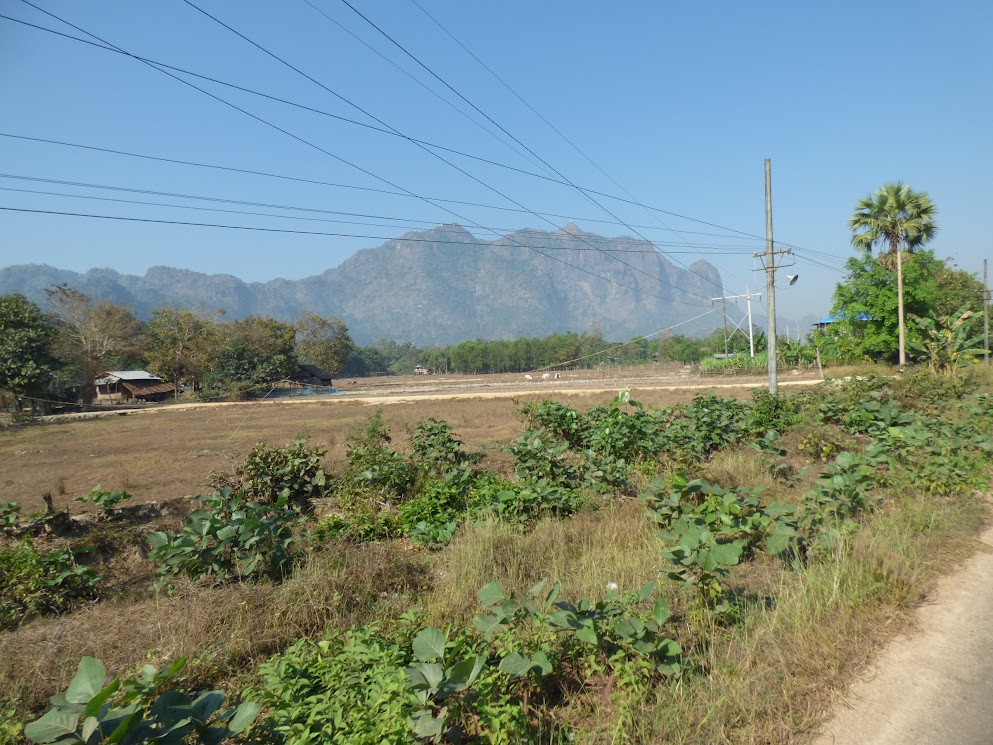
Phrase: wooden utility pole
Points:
(770, 281)
(769, 265)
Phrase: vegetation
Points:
(26, 355)
(536, 601)
(36, 583)
(899, 219)
(132, 712)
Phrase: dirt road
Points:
(934, 688)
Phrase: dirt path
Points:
(399, 394)
(934, 688)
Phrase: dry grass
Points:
(584, 553)
(224, 631)
(172, 453)
(774, 678)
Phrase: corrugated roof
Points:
(148, 388)
(841, 317)
(130, 375)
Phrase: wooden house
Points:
(122, 386)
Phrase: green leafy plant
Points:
(374, 467)
(437, 451)
(93, 711)
(294, 472)
(35, 583)
(9, 514)
(107, 501)
(233, 539)
(947, 342)
(540, 457)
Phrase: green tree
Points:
(26, 339)
(323, 341)
(255, 353)
(91, 334)
(896, 218)
(180, 344)
(866, 304)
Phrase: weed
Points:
(107, 501)
(293, 472)
(234, 539)
(35, 583)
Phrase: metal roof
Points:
(841, 317)
(130, 375)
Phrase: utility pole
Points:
(724, 309)
(770, 281)
(769, 266)
(986, 317)
(747, 296)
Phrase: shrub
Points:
(131, 712)
(294, 472)
(107, 501)
(373, 465)
(437, 451)
(234, 539)
(770, 411)
(35, 583)
(540, 457)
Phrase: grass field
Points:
(768, 676)
(172, 452)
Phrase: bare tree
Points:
(91, 334)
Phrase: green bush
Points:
(540, 457)
(437, 451)
(36, 583)
(375, 468)
(294, 472)
(93, 711)
(234, 539)
(107, 501)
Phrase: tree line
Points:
(58, 353)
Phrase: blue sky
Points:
(678, 102)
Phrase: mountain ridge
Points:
(436, 286)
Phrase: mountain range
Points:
(437, 286)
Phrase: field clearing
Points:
(169, 451)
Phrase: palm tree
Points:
(896, 218)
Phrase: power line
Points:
(426, 87)
(427, 150)
(343, 160)
(316, 182)
(176, 195)
(499, 126)
(404, 239)
(110, 48)
(531, 108)
(288, 102)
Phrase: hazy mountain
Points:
(437, 286)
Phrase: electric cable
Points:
(427, 150)
(345, 161)
(499, 126)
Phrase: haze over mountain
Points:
(438, 286)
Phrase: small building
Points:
(121, 386)
(823, 324)
(311, 376)
(421, 370)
